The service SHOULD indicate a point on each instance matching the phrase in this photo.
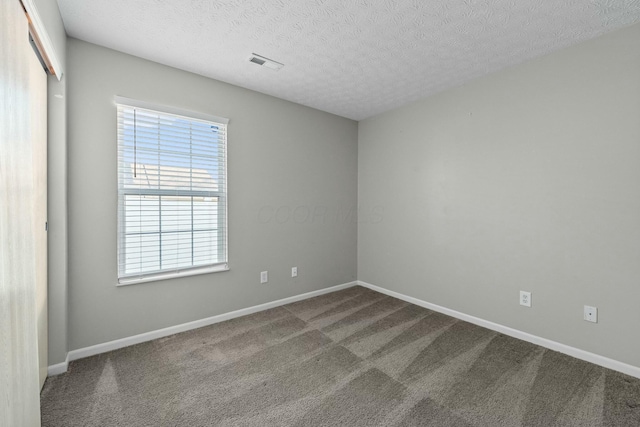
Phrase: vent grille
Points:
(257, 60)
(265, 62)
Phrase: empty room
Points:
(320, 212)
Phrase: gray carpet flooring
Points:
(349, 358)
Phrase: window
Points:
(172, 199)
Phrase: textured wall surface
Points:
(351, 58)
(528, 179)
(292, 195)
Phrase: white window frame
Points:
(221, 194)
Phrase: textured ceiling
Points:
(353, 58)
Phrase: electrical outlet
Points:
(294, 271)
(264, 276)
(591, 314)
(525, 298)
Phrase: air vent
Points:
(257, 60)
(265, 62)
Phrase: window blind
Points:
(172, 198)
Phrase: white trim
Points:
(126, 281)
(43, 35)
(597, 359)
(59, 368)
(170, 110)
(152, 335)
(148, 336)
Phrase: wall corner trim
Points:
(596, 359)
(171, 330)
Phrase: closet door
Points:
(22, 235)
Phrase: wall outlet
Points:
(264, 276)
(591, 314)
(525, 298)
(294, 271)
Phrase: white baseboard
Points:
(553, 345)
(160, 333)
(59, 368)
(606, 362)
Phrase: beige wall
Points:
(527, 179)
(283, 158)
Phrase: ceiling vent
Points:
(265, 62)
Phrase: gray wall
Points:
(57, 185)
(527, 179)
(292, 176)
(57, 217)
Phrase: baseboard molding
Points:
(606, 362)
(59, 368)
(553, 345)
(160, 333)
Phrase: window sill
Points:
(126, 281)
